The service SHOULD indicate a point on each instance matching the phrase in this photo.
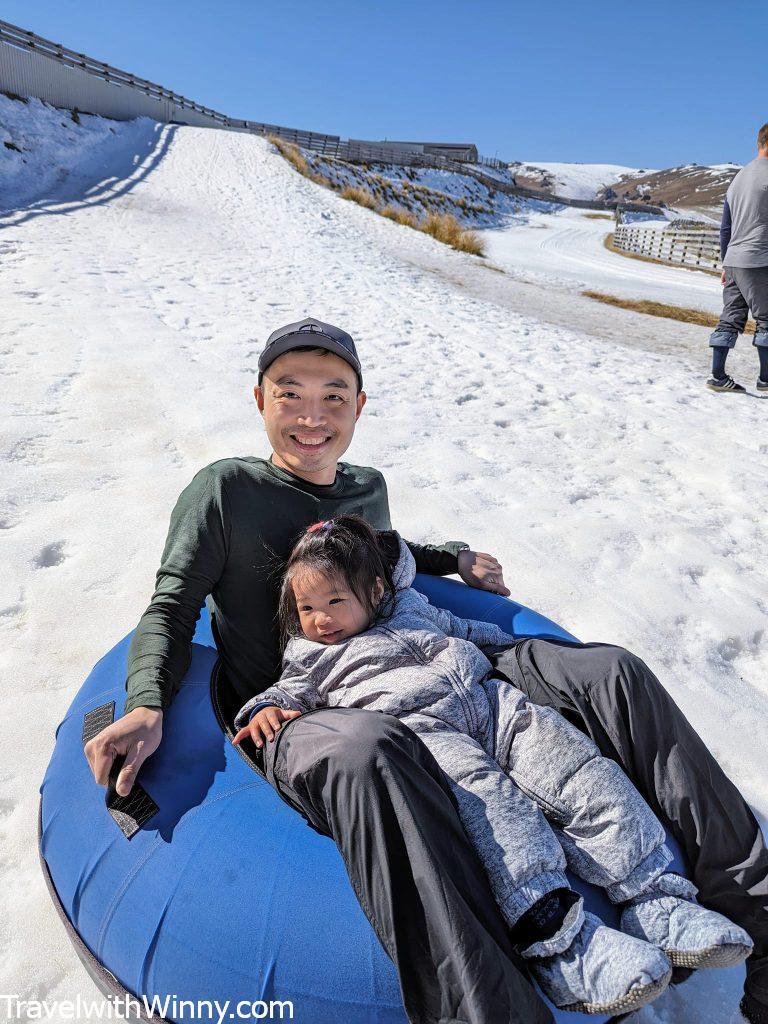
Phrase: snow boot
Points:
(602, 971)
(668, 916)
(762, 385)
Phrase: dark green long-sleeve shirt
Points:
(231, 530)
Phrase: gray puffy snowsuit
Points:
(531, 789)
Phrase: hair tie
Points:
(320, 526)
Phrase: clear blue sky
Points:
(648, 84)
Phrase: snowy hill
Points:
(572, 181)
(573, 441)
(689, 187)
(42, 145)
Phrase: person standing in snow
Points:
(441, 927)
(744, 252)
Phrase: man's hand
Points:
(265, 723)
(137, 735)
(722, 276)
(481, 570)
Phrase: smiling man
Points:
(365, 779)
(355, 775)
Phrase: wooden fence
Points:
(690, 248)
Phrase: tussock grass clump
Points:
(292, 154)
(684, 314)
(359, 196)
(442, 226)
(469, 241)
(445, 228)
(399, 216)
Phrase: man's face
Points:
(310, 404)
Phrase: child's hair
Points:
(345, 547)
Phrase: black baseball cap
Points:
(318, 335)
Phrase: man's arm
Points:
(432, 559)
(192, 562)
(437, 559)
(476, 568)
(725, 230)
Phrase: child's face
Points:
(329, 611)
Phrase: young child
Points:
(533, 792)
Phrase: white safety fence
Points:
(690, 248)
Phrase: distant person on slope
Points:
(744, 252)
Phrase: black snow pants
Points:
(366, 780)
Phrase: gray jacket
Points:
(745, 217)
(421, 658)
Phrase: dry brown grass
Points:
(442, 226)
(445, 228)
(469, 241)
(598, 216)
(359, 196)
(609, 244)
(399, 216)
(682, 313)
(292, 154)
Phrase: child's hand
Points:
(266, 723)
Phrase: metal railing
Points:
(167, 104)
(27, 40)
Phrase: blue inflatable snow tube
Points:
(225, 893)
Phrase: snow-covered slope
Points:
(42, 146)
(690, 187)
(572, 181)
(563, 248)
(134, 305)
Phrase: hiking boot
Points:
(602, 971)
(668, 916)
(762, 385)
(725, 384)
